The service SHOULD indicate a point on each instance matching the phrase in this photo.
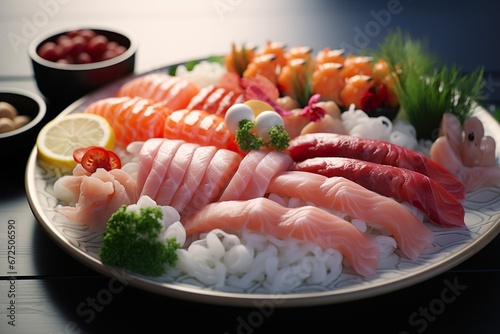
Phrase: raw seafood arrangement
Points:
(268, 171)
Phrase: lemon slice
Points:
(258, 106)
(59, 138)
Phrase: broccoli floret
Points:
(247, 140)
(132, 241)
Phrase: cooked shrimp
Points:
(354, 90)
(357, 65)
(327, 80)
(264, 65)
(293, 78)
(328, 55)
(274, 48)
(299, 52)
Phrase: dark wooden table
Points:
(54, 293)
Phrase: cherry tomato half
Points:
(114, 160)
(79, 152)
(94, 157)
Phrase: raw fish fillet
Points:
(215, 100)
(243, 175)
(175, 173)
(132, 118)
(99, 195)
(219, 172)
(314, 145)
(159, 167)
(193, 176)
(273, 163)
(146, 156)
(400, 183)
(361, 253)
(356, 201)
(200, 127)
(254, 174)
(175, 92)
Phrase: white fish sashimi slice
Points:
(159, 167)
(175, 173)
(146, 157)
(193, 176)
(100, 195)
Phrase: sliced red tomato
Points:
(94, 157)
(114, 160)
(79, 152)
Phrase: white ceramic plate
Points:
(450, 246)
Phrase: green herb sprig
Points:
(247, 140)
(426, 90)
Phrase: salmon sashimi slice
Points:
(132, 119)
(403, 184)
(243, 175)
(193, 176)
(361, 253)
(215, 100)
(346, 196)
(200, 127)
(159, 167)
(272, 164)
(314, 145)
(173, 124)
(219, 172)
(99, 195)
(175, 92)
(175, 173)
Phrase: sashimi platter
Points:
(274, 172)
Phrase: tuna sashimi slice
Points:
(314, 145)
(193, 176)
(309, 223)
(175, 173)
(400, 183)
(344, 195)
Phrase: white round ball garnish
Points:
(265, 120)
(236, 113)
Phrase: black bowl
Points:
(16, 145)
(62, 84)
